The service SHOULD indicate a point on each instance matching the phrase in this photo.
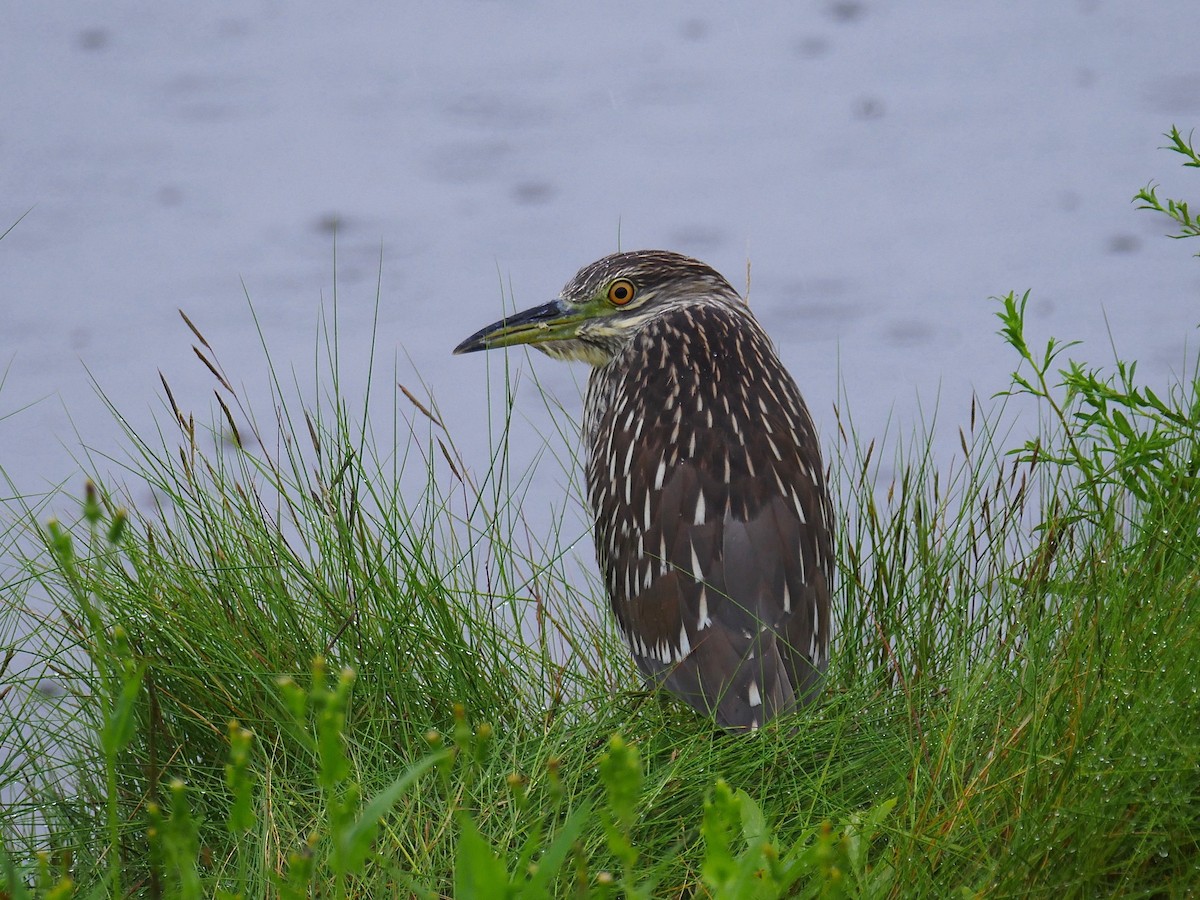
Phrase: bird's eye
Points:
(621, 292)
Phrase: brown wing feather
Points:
(718, 560)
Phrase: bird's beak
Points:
(554, 321)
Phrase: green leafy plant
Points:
(1176, 210)
(742, 858)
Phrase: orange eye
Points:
(621, 292)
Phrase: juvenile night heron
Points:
(704, 475)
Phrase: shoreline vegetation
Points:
(295, 674)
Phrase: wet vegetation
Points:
(316, 665)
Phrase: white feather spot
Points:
(779, 481)
(699, 519)
(754, 724)
(660, 474)
(702, 613)
(774, 449)
(685, 646)
(799, 509)
(787, 598)
(752, 695)
(696, 573)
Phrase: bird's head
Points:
(605, 305)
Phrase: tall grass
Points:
(317, 667)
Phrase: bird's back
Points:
(713, 523)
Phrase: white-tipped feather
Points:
(752, 695)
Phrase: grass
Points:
(313, 667)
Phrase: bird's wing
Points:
(718, 578)
(733, 615)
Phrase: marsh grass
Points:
(315, 667)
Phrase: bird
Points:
(712, 518)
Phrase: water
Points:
(885, 167)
